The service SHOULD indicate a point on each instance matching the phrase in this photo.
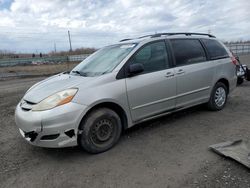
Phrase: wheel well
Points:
(224, 81)
(113, 106)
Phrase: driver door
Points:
(153, 91)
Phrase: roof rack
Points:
(124, 40)
(187, 34)
(170, 34)
(136, 38)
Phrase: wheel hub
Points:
(220, 96)
(103, 130)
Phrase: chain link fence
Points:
(41, 60)
(239, 48)
(38, 66)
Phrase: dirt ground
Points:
(35, 70)
(171, 151)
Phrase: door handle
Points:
(169, 74)
(180, 71)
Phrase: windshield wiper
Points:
(66, 72)
(80, 73)
(104, 72)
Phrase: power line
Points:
(8, 31)
(74, 32)
(57, 36)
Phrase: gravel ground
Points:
(171, 151)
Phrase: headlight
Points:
(60, 98)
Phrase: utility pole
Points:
(54, 47)
(70, 49)
(209, 31)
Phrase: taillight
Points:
(234, 60)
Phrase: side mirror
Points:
(134, 69)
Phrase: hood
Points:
(52, 85)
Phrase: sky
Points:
(43, 25)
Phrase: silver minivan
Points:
(124, 84)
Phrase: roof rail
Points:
(170, 34)
(124, 40)
(184, 33)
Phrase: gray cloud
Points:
(30, 25)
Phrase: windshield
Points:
(104, 60)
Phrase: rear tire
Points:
(100, 131)
(240, 80)
(218, 97)
(247, 74)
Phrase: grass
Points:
(45, 69)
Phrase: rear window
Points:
(215, 49)
(187, 51)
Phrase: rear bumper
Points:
(52, 128)
(232, 84)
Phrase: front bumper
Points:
(53, 128)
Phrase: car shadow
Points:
(170, 118)
(63, 153)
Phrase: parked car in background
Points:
(124, 84)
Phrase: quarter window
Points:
(187, 51)
(153, 56)
(215, 49)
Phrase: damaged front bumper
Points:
(53, 128)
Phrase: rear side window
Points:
(153, 56)
(215, 49)
(187, 51)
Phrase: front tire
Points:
(218, 97)
(100, 131)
